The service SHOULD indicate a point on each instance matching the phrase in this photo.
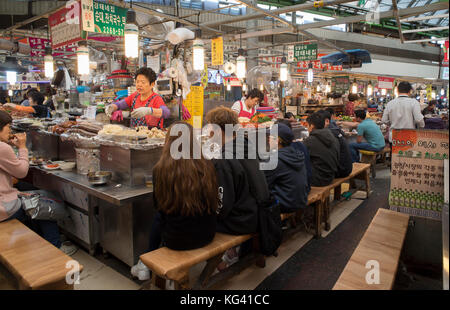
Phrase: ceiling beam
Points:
(407, 20)
(425, 29)
(425, 40)
(399, 25)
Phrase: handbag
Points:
(43, 205)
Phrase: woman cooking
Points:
(246, 107)
(148, 108)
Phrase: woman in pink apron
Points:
(246, 107)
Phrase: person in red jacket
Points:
(147, 107)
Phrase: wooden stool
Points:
(369, 157)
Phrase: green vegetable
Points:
(264, 119)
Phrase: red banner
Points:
(65, 25)
(317, 65)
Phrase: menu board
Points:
(385, 82)
(217, 51)
(194, 103)
(417, 176)
(305, 52)
(65, 26)
(340, 84)
(109, 19)
(87, 15)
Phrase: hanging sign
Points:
(317, 65)
(233, 81)
(65, 26)
(217, 51)
(154, 63)
(429, 92)
(304, 52)
(109, 19)
(87, 15)
(340, 84)
(385, 82)
(417, 177)
(194, 103)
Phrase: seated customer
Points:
(12, 166)
(323, 150)
(431, 108)
(301, 148)
(345, 158)
(185, 198)
(288, 181)
(368, 130)
(241, 185)
(333, 124)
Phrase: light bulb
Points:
(310, 75)
(354, 89)
(198, 52)
(442, 92)
(10, 92)
(244, 87)
(328, 88)
(131, 34)
(383, 92)
(229, 87)
(283, 72)
(369, 90)
(318, 88)
(11, 77)
(433, 94)
(83, 60)
(48, 66)
(241, 69)
(261, 87)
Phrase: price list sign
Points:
(417, 176)
(340, 84)
(194, 103)
(109, 19)
(217, 51)
(305, 52)
(65, 26)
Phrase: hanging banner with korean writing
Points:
(305, 52)
(385, 82)
(109, 19)
(217, 51)
(417, 176)
(317, 65)
(194, 103)
(340, 84)
(429, 92)
(65, 26)
(87, 15)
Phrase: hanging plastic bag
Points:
(43, 205)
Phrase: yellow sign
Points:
(205, 77)
(217, 51)
(429, 91)
(194, 103)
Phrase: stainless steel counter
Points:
(110, 192)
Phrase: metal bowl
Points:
(99, 177)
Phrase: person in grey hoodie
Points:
(323, 150)
(289, 180)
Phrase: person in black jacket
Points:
(288, 181)
(345, 157)
(185, 198)
(241, 184)
(323, 150)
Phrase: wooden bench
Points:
(33, 261)
(175, 265)
(370, 157)
(359, 171)
(382, 242)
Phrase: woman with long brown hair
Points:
(185, 196)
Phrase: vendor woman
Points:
(246, 107)
(36, 108)
(147, 107)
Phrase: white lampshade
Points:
(229, 87)
(261, 87)
(383, 92)
(11, 77)
(83, 60)
(442, 92)
(318, 88)
(433, 94)
(327, 88)
(198, 52)
(310, 75)
(241, 68)
(131, 34)
(244, 87)
(369, 90)
(354, 89)
(10, 92)
(396, 92)
(48, 66)
(283, 72)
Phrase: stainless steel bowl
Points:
(99, 177)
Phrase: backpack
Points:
(345, 159)
(269, 218)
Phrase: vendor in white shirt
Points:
(246, 107)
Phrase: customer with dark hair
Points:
(36, 108)
(368, 130)
(288, 182)
(246, 107)
(332, 116)
(431, 108)
(345, 158)
(403, 112)
(301, 148)
(16, 166)
(148, 108)
(290, 116)
(242, 185)
(350, 106)
(323, 150)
